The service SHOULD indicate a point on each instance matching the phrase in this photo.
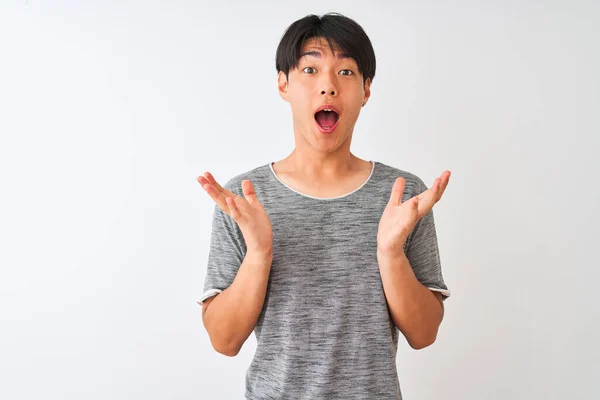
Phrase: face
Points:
(320, 78)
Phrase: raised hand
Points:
(247, 212)
(399, 219)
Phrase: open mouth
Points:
(327, 119)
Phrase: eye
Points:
(349, 71)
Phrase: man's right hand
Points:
(247, 212)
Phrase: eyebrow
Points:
(317, 54)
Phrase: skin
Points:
(247, 212)
(399, 219)
(322, 165)
(410, 302)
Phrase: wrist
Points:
(387, 245)
(386, 252)
(260, 254)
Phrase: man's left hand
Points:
(399, 219)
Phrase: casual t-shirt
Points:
(325, 331)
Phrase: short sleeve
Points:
(226, 252)
(422, 250)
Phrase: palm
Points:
(399, 219)
(247, 211)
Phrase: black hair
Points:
(337, 29)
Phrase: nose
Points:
(328, 86)
(329, 91)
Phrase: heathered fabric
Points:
(325, 331)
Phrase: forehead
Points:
(319, 42)
(319, 47)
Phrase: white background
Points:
(110, 110)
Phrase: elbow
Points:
(226, 350)
(220, 342)
(225, 345)
(422, 336)
(418, 343)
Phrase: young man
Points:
(325, 256)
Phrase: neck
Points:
(323, 167)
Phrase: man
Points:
(325, 256)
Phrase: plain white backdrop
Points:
(109, 110)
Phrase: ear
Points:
(367, 89)
(282, 85)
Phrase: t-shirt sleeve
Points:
(226, 252)
(422, 250)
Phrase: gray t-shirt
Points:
(325, 330)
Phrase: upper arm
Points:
(205, 305)
(438, 295)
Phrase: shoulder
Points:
(256, 175)
(414, 184)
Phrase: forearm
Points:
(231, 317)
(415, 310)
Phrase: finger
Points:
(434, 193)
(439, 185)
(209, 177)
(427, 199)
(397, 190)
(413, 208)
(214, 193)
(439, 189)
(429, 194)
(444, 179)
(249, 192)
(412, 203)
(234, 211)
